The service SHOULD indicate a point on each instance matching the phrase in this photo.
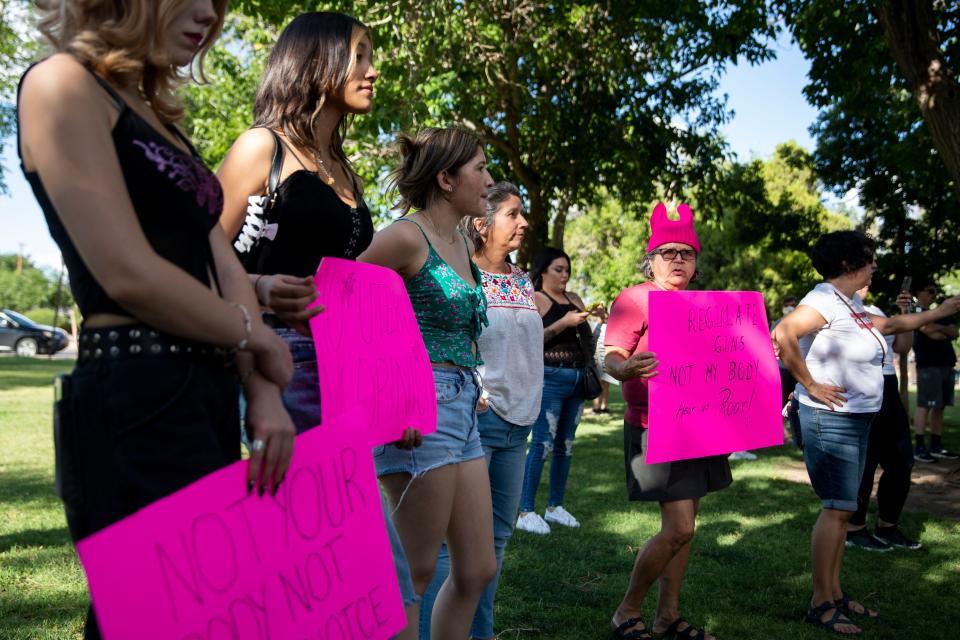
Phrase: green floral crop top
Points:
(451, 314)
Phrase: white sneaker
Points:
(533, 523)
(561, 516)
(742, 455)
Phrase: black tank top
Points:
(564, 348)
(177, 201)
(313, 223)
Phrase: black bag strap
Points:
(273, 181)
(276, 167)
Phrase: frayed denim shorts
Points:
(457, 438)
(835, 452)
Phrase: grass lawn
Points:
(748, 577)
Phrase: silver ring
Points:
(258, 445)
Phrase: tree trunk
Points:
(905, 381)
(910, 30)
(536, 238)
(559, 224)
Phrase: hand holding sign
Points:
(313, 561)
(291, 298)
(719, 388)
(369, 350)
(642, 364)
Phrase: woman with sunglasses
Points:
(670, 265)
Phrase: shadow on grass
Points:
(34, 538)
(749, 573)
(21, 486)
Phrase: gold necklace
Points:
(328, 177)
(436, 230)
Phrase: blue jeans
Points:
(301, 397)
(835, 453)
(504, 444)
(553, 432)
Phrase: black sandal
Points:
(843, 604)
(690, 633)
(621, 633)
(814, 614)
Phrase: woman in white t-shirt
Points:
(836, 350)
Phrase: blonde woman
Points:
(152, 403)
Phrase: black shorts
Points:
(669, 481)
(935, 387)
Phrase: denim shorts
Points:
(835, 452)
(457, 438)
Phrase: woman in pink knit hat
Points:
(670, 265)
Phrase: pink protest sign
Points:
(370, 354)
(718, 386)
(211, 562)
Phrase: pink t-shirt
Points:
(627, 329)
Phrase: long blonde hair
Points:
(123, 42)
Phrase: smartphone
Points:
(907, 284)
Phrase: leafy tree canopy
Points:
(30, 287)
(573, 99)
(872, 136)
(16, 49)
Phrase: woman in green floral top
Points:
(440, 490)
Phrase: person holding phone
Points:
(836, 350)
(564, 333)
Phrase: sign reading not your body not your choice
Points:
(211, 562)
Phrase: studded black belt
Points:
(142, 341)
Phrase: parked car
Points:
(26, 338)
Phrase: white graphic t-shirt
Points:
(848, 351)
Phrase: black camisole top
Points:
(313, 223)
(177, 201)
(564, 350)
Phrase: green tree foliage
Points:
(30, 287)
(16, 49)
(871, 135)
(755, 224)
(221, 109)
(573, 99)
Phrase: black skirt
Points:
(669, 481)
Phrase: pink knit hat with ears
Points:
(664, 230)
